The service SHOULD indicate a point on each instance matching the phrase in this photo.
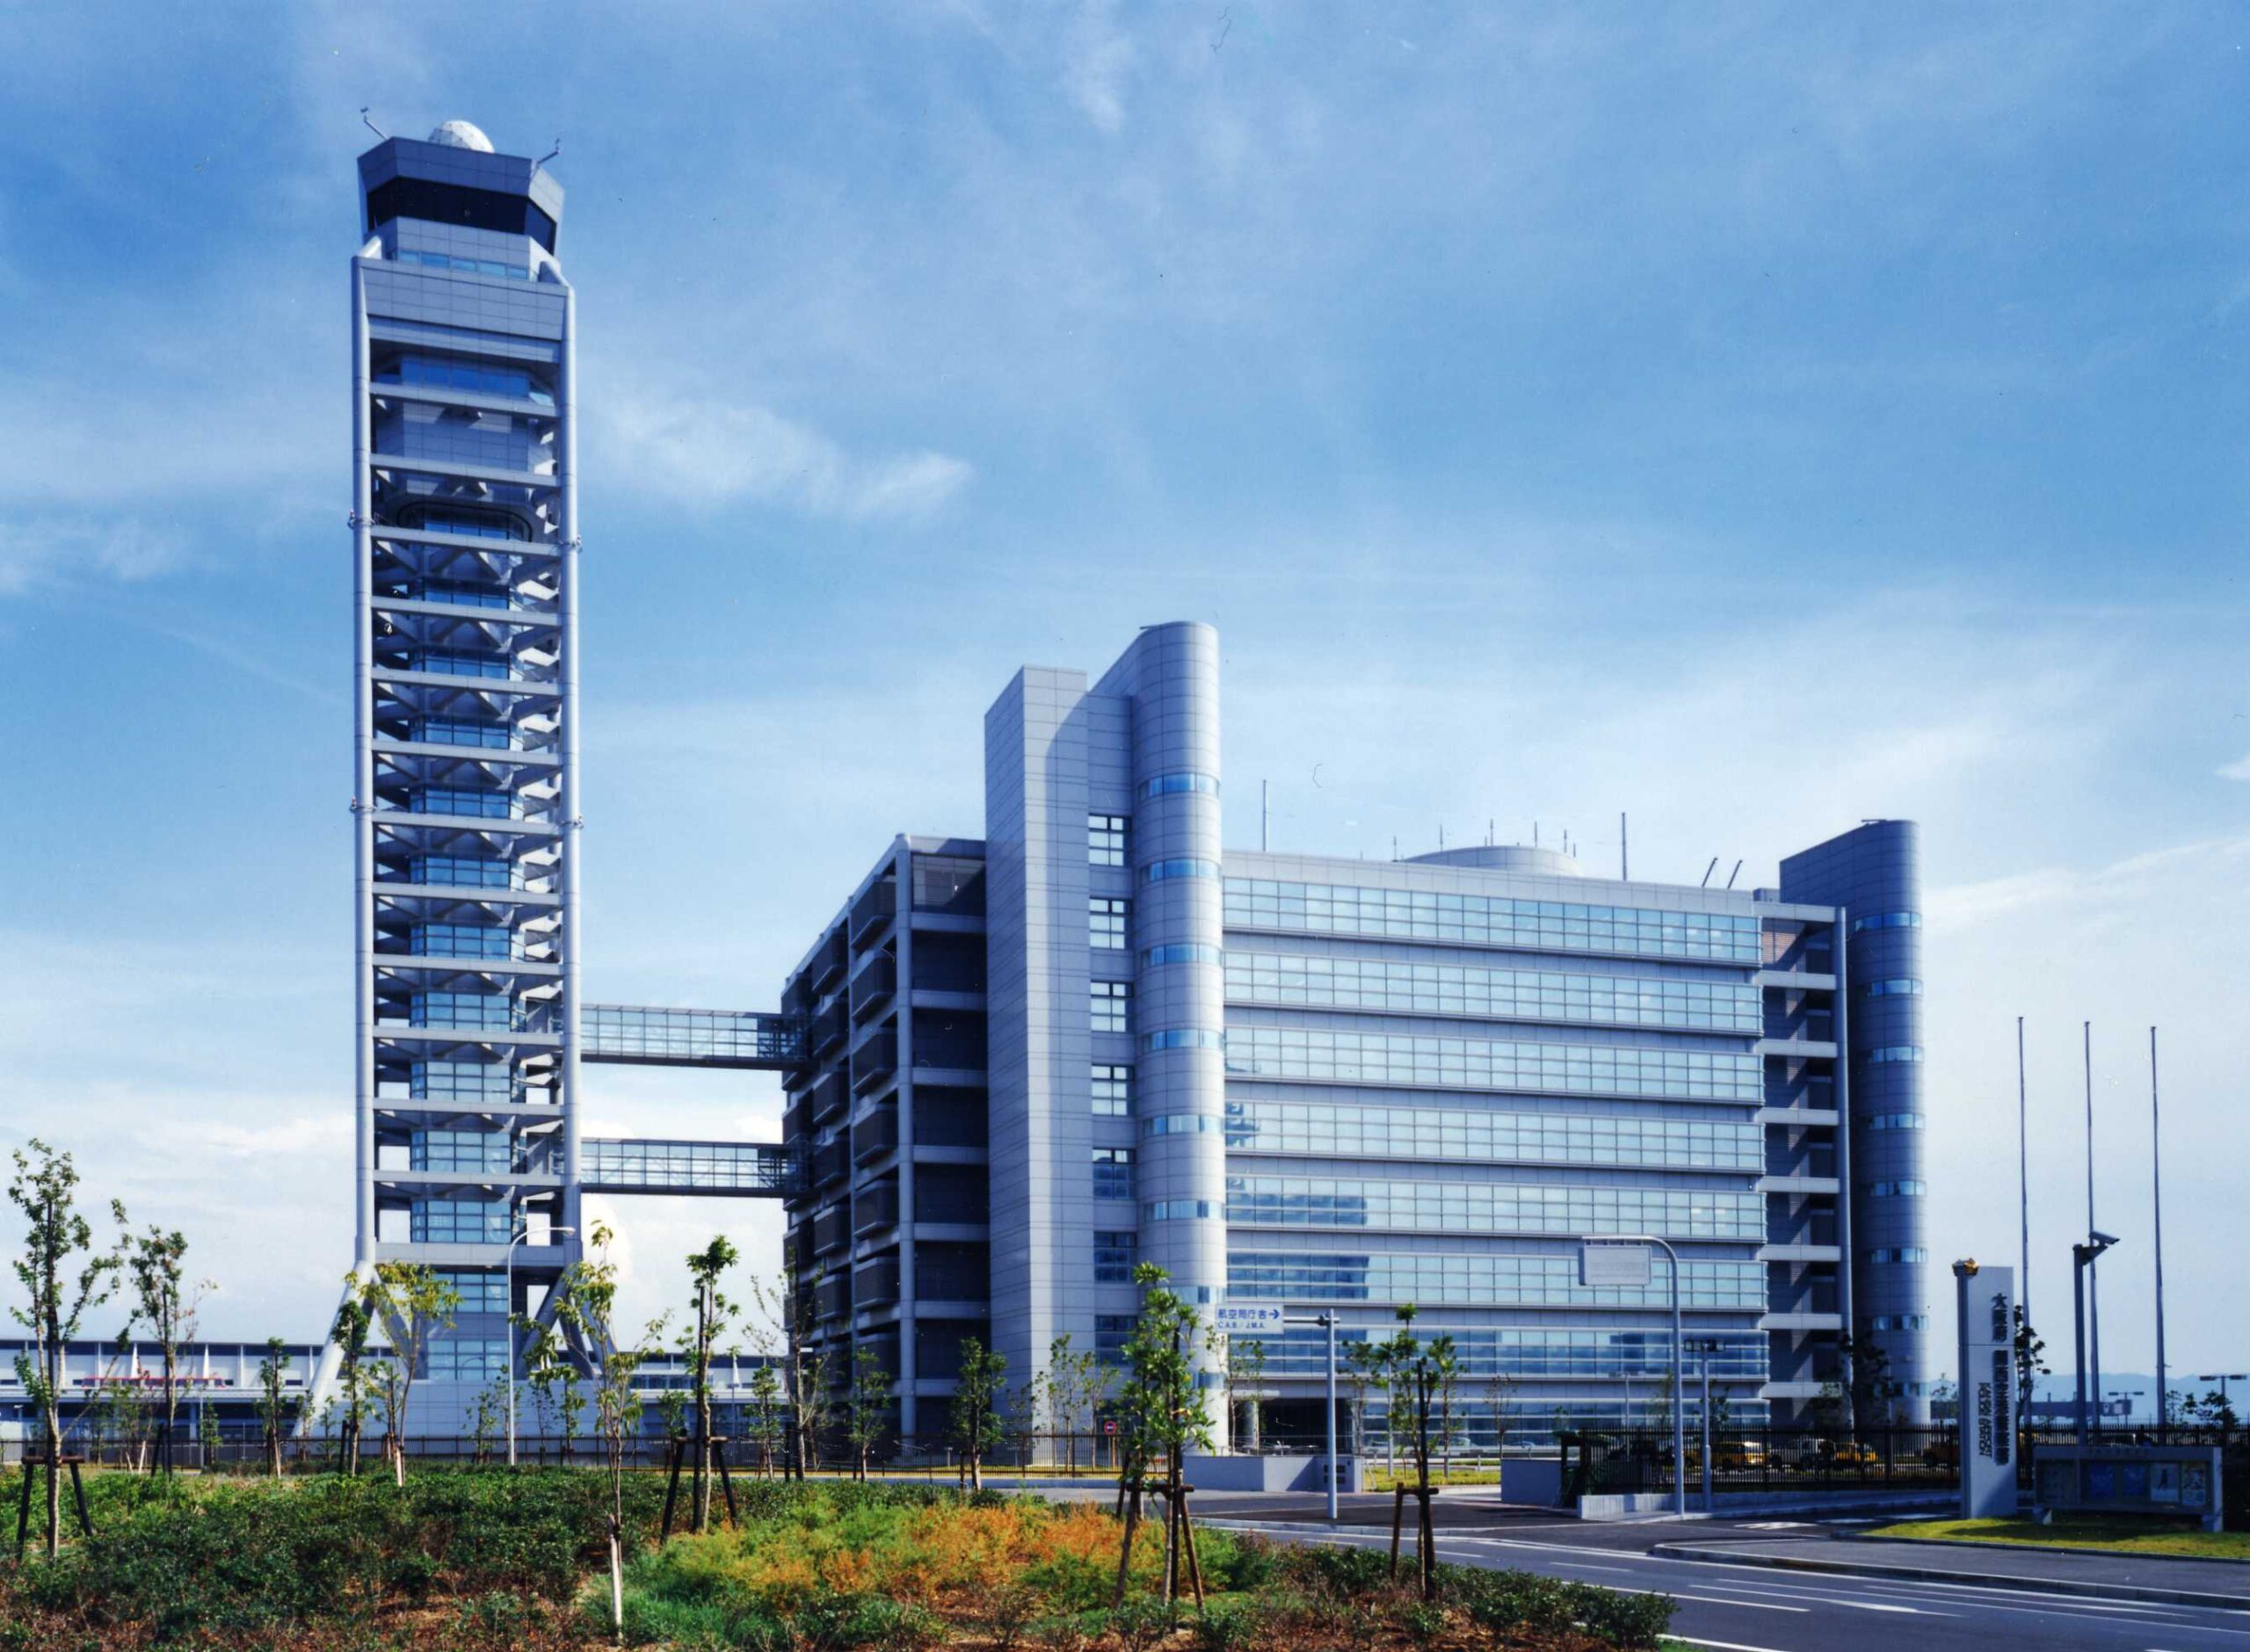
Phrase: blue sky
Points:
(1750, 417)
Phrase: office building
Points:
(1337, 1083)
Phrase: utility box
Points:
(2182, 1481)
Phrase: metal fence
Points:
(1743, 1459)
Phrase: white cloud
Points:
(716, 451)
(47, 551)
(1095, 71)
(2237, 770)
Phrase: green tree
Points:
(2031, 1366)
(413, 1304)
(768, 1430)
(61, 1276)
(1245, 1373)
(1870, 1390)
(273, 1403)
(867, 1416)
(589, 1308)
(1423, 1370)
(977, 1427)
(156, 1266)
(349, 1336)
(389, 1382)
(1161, 1413)
(207, 1437)
(1027, 1401)
(713, 1312)
(1365, 1373)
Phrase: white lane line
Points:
(1723, 1646)
(1880, 1605)
(1721, 1600)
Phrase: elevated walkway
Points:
(642, 1035)
(724, 1169)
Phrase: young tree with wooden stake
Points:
(412, 1303)
(713, 1311)
(273, 1406)
(977, 1427)
(765, 1429)
(866, 1417)
(1424, 1371)
(54, 1298)
(155, 1264)
(1161, 1414)
(349, 1334)
(589, 1306)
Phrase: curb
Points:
(1938, 1574)
(2079, 1550)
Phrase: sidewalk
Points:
(2171, 1580)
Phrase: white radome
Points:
(462, 134)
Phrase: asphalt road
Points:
(1754, 1609)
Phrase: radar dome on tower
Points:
(462, 134)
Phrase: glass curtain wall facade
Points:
(465, 539)
(1321, 1083)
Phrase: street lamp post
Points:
(2223, 1378)
(2082, 1257)
(1705, 1347)
(1591, 1245)
(515, 1239)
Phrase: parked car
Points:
(1812, 1452)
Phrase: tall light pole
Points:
(2156, 1171)
(2092, 1350)
(517, 1238)
(2022, 1180)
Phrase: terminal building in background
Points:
(1097, 1037)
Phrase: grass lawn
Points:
(2119, 1536)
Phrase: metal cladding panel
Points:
(1875, 872)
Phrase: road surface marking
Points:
(1723, 1646)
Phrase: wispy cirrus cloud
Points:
(45, 551)
(717, 452)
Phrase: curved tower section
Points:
(465, 543)
(1875, 874)
(1170, 678)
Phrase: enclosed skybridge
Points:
(638, 1035)
(646, 1035)
(725, 1169)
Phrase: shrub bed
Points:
(481, 1560)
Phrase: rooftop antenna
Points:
(1265, 814)
(370, 125)
(1625, 859)
(1394, 845)
(549, 156)
(1535, 834)
(1441, 834)
(1491, 831)
(1733, 875)
(1714, 866)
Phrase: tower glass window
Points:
(1112, 1005)
(1113, 1172)
(1105, 839)
(1106, 922)
(1112, 1089)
